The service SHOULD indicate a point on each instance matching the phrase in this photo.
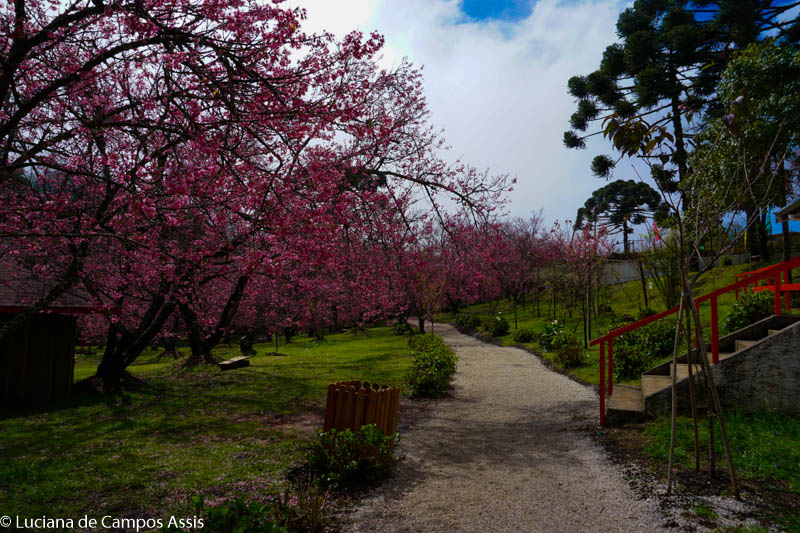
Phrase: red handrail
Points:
(751, 277)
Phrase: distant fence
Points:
(352, 404)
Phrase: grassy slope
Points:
(187, 431)
(624, 299)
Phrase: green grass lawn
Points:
(186, 432)
(623, 299)
(765, 447)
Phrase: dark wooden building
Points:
(37, 361)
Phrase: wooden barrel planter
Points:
(352, 404)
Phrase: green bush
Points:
(467, 322)
(497, 326)
(646, 312)
(525, 335)
(568, 349)
(401, 327)
(432, 366)
(749, 308)
(343, 460)
(552, 330)
(235, 516)
(638, 350)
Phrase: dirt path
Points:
(509, 452)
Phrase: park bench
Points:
(234, 362)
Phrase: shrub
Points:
(401, 327)
(497, 326)
(343, 460)
(638, 350)
(525, 335)
(646, 312)
(303, 506)
(749, 308)
(727, 262)
(467, 322)
(552, 330)
(432, 366)
(569, 352)
(236, 516)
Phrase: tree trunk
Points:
(644, 282)
(124, 346)
(421, 320)
(202, 345)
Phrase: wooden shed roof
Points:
(20, 289)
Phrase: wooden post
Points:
(610, 367)
(714, 331)
(603, 383)
(361, 403)
(330, 408)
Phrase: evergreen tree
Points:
(619, 206)
(663, 72)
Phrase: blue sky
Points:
(509, 10)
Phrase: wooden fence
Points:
(352, 404)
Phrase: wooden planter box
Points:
(352, 404)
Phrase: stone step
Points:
(773, 331)
(683, 370)
(652, 384)
(742, 344)
(725, 355)
(626, 398)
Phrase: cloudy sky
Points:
(495, 76)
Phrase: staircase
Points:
(743, 361)
(654, 396)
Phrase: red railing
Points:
(771, 273)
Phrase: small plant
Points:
(524, 335)
(646, 312)
(401, 327)
(706, 512)
(237, 516)
(432, 366)
(302, 506)
(748, 309)
(569, 352)
(727, 262)
(467, 322)
(497, 326)
(637, 350)
(552, 330)
(345, 461)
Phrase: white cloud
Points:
(497, 88)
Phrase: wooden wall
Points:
(37, 362)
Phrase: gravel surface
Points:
(508, 452)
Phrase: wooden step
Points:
(652, 384)
(683, 370)
(234, 362)
(742, 344)
(626, 398)
(725, 355)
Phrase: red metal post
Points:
(787, 296)
(777, 294)
(602, 383)
(714, 331)
(610, 367)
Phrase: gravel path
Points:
(509, 452)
